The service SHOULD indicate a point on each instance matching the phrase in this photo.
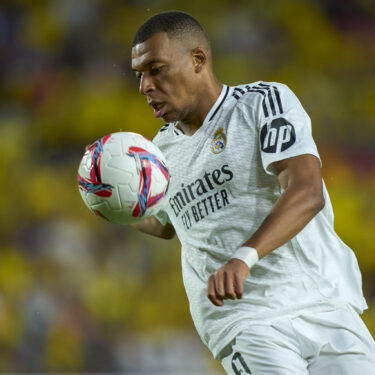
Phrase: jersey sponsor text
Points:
(192, 202)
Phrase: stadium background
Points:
(78, 294)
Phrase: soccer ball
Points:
(123, 177)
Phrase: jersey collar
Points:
(219, 102)
(212, 112)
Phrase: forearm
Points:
(154, 228)
(301, 200)
(293, 210)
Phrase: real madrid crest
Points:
(219, 142)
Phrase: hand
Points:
(227, 281)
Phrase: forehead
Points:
(159, 47)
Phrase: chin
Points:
(170, 117)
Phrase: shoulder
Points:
(164, 135)
(247, 93)
(265, 98)
(162, 132)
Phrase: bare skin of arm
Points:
(302, 198)
(153, 227)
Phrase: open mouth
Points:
(158, 110)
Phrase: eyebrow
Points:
(153, 61)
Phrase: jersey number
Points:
(239, 365)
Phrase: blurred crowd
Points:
(80, 294)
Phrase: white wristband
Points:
(247, 254)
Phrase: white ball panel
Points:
(120, 171)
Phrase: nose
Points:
(146, 84)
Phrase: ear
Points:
(199, 57)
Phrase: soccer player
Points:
(272, 288)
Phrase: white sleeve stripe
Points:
(238, 92)
(271, 95)
(268, 88)
(278, 99)
(277, 95)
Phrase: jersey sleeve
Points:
(284, 126)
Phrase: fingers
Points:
(229, 292)
(211, 292)
(89, 146)
(224, 284)
(238, 286)
(219, 284)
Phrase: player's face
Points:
(167, 78)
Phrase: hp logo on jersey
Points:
(279, 136)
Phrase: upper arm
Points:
(300, 172)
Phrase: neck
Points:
(205, 100)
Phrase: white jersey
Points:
(223, 186)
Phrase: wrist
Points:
(247, 254)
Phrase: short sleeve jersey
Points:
(223, 186)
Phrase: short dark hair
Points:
(174, 23)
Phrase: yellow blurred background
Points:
(80, 294)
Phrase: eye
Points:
(138, 75)
(156, 70)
